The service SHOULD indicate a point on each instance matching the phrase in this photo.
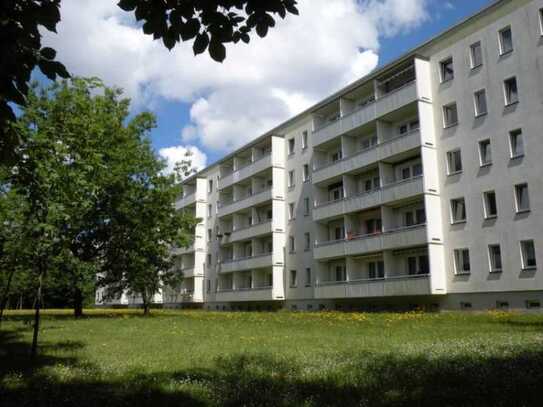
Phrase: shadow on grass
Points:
(366, 379)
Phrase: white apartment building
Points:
(419, 185)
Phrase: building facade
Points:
(419, 185)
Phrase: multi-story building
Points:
(419, 185)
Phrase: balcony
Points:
(366, 157)
(249, 232)
(260, 164)
(246, 263)
(389, 193)
(358, 245)
(186, 201)
(178, 251)
(229, 208)
(394, 100)
(245, 294)
(406, 285)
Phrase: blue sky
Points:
(213, 108)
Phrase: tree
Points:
(209, 24)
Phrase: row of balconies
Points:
(372, 243)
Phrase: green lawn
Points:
(180, 358)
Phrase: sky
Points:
(211, 108)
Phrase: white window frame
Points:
(480, 145)
(450, 155)
(506, 97)
(486, 211)
(291, 211)
(516, 133)
(500, 41)
(292, 149)
(306, 176)
(477, 107)
(523, 257)
(491, 263)
(473, 65)
(452, 212)
(444, 109)
(517, 198)
(456, 257)
(442, 73)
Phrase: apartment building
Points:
(419, 185)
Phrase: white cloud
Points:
(302, 59)
(177, 154)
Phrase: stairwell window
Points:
(447, 69)
(516, 143)
(293, 280)
(291, 146)
(304, 139)
(510, 91)
(495, 258)
(479, 99)
(308, 277)
(461, 261)
(307, 240)
(506, 40)
(541, 21)
(306, 172)
(489, 205)
(454, 162)
(450, 115)
(458, 210)
(306, 207)
(527, 252)
(476, 55)
(291, 213)
(522, 198)
(291, 244)
(291, 179)
(485, 153)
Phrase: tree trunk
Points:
(78, 303)
(5, 295)
(145, 303)
(37, 302)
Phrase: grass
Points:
(179, 358)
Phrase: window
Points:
(479, 98)
(291, 145)
(516, 143)
(417, 170)
(510, 91)
(376, 269)
(420, 216)
(210, 186)
(291, 244)
(336, 156)
(454, 162)
(307, 239)
(340, 272)
(522, 199)
(527, 252)
(291, 179)
(461, 261)
(495, 258)
(373, 226)
(368, 142)
(406, 173)
(506, 41)
(304, 139)
(269, 214)
(490, 207)
(209, 259)
(409, 219)
(306, 172)
(209, 210)
(335, 192)
(291, 211)
(209, 234)
(541, 21)
(308, 277)
(450, 115)
(293, 278)
(447, 69)
(485, 153)
(306, 206)
(458, 210)
(339, 233)
(476, 55)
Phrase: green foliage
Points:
(192, 358)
